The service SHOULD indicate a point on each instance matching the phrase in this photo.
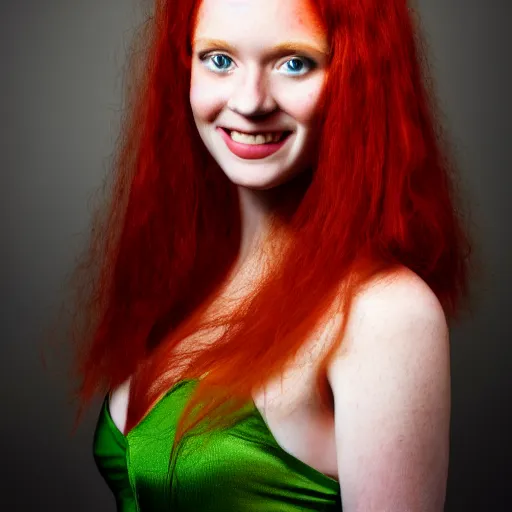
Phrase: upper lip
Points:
(255, 132)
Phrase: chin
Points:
(258, 178)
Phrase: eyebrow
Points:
(285, 47)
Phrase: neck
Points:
(260, 208)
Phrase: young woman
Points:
(275, 271)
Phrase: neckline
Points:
(310, 470)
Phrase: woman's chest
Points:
(289, 404)
(290, 407)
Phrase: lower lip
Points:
(251, 151)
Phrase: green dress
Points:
(242, 468)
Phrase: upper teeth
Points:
(260, 138)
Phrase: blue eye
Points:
(298, 66)
(217, 62)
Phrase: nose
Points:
(251, 95)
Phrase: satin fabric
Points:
(242, 468)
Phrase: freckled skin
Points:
(256, 93)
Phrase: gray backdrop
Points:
(60, 95)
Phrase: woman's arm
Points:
(391, 387)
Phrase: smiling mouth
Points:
(257, 139)
(254, 146)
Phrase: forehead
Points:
(258, 18)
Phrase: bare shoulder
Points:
(391, 387)
(391, 304)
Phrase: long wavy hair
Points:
(382, 196)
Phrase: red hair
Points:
(381, 197)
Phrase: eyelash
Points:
(206, 58)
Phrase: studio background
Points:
(61, 65)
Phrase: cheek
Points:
(206, 99)
(301, 101)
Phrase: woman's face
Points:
(258, 70)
